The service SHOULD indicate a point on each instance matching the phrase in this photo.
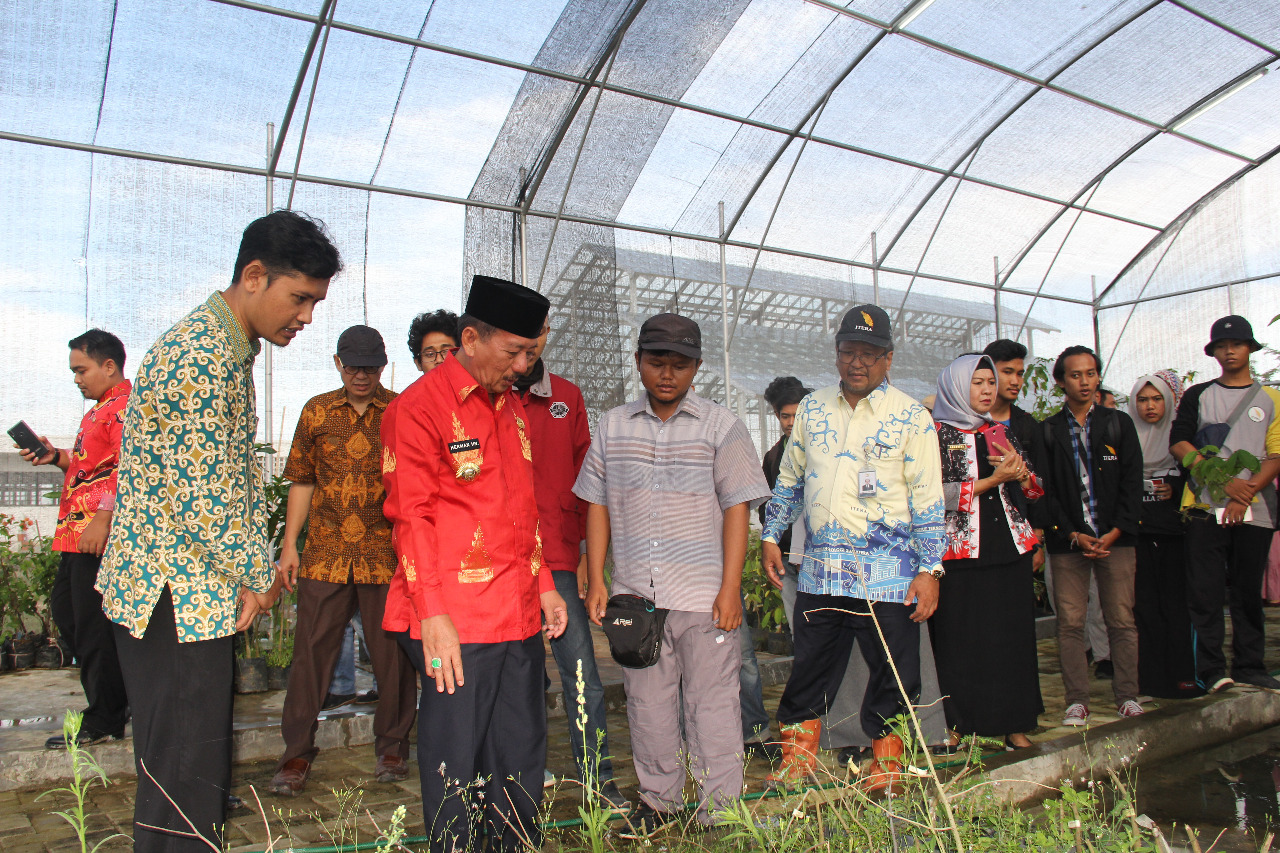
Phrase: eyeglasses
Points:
(356, 371)
(865, 358)
(434, 355)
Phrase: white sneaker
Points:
(1131, 709)
(1077, 715)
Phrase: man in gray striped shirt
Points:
(672, 478)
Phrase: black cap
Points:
(361, 346)
(868, 324)
(1233, 327)
(671, 332)
(507, 305)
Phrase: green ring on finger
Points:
(435, 663)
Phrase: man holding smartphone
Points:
(84, 520)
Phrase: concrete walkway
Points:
(36, 699)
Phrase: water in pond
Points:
(1235, 787)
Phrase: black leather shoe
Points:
(337, 700)
(771, 752)
(82, 739)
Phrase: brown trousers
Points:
(324, 609)
(1115, 576)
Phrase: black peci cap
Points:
(1233, 327)
(361, 346)
(507, 305)
(671, 332)
(868, 324)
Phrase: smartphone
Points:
(998, 443)
(28, 440)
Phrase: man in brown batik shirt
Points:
(335, 467)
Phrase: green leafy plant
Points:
(762, 598)
(85, 771)
(1212, 473)
(28, 566)
(1039, 391)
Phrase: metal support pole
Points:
(269, 433)
(724, 308)
(875, 270)
(995, 262)
(524, 246)
(1097, 336)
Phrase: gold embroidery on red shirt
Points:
(535, 562)
(476, 565)
(388, 461)
(524, 441)
(410, 574)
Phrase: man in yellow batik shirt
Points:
(188, 563)
(335, 467)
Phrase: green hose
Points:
(577, 821)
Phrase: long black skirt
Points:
(984, 640)
(1166, 653)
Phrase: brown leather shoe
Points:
(291, 777)
(391, 768)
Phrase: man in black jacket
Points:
(1010, 358)
(1093, 502)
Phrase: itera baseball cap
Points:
(671, 332)
(361, 346)
(1233, 327)
(868, 324)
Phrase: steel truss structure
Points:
(970, 168)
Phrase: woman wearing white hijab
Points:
(1166, 656)
(984, 631)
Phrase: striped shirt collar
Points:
(692, 404)
(243, 350)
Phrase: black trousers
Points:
(77, 611)
(1226, 563)
(181, 695)
(826, 628)
(482, 750)
(1166, 655)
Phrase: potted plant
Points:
(251, 666)
(28, 566)
(284, 616)
(764, 604)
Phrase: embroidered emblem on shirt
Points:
(525, 449)
(467, 458)
(410, 574)
(559, 409)
(388, 461)
(535, 562)
(476, 565)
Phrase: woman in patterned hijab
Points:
(1166, 662)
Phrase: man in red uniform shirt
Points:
(560, 435)
(471, 587)
(84, 520)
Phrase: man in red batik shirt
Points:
(471, 589)
(84, 520)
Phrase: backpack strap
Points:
(1246, 400)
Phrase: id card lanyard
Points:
(867, 473)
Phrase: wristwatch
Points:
(938, 573)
